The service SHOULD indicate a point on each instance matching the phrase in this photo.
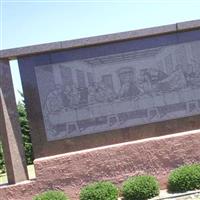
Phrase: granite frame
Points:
(42, 147)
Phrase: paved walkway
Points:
(164, 195)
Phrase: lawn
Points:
(31, 174)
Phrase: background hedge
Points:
(25, 130)
(184, 178)
(2, 163)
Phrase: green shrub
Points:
(184, 178)
(52, 195)
(140, 188)
(2, 162)
(99, 191)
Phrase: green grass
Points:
(3, 179)
(31, 174)
(31, 171)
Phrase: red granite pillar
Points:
(10, 129)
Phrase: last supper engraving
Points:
(119, 90)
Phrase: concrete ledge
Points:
(63, 45)
(164, 195)
(184, 26)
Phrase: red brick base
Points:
(69, 172)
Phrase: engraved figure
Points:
(83, 96)
(157, 81)
(100, 92)
(54, 101)
(71, 97)
(74, 97)
(66, 96)
(92, 94)
(53, 104)
(192, 74)
(151, 77)
(82, 89)
(129, 89)
(107, 84)
(174, 81)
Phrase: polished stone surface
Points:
(120, 90)
(9, 128)
(89, 114)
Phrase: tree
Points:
(2, 163)
(25, 133)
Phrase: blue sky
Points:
(29, 22)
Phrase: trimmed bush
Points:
(99, 191)
(184, 178)
(140, 188)
(51, 195)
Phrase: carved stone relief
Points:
(121, 90)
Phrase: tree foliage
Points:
(25, 133)
(2, 163)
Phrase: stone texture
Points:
(118, 162)
(9, 128)
(63, 45)
(31, 66)
(188, 25)
(69, 172)
(119, 36)
(117, 98)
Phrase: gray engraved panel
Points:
(120, 90)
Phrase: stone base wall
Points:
(69, 172)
